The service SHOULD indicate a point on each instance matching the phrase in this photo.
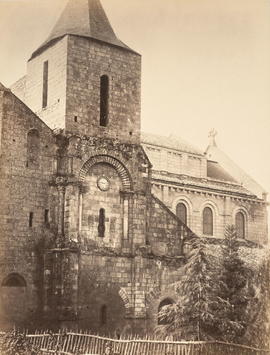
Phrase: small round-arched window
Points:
(240, 225)
(164, 319)
(208, 225)
(13, 298)
(181, 212)
(14, 280)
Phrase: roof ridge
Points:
(176, 143)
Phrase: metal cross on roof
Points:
(212, 135)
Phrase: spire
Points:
(84, 18)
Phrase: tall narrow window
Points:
(104, 100)
(101, 223)
(46, 216)
(181, 212)
(207, 221)
(33, 149)
(240, 225)
(31, 218)
(45, 84)
(103, 315)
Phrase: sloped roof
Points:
(3, 88)
(213, 153)
(170, 142)
(84, 18)
(215, 171)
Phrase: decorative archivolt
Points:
(119, 167)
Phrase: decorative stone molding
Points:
(126, 300)
(119, 167)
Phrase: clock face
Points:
(103, 184)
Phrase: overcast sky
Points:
(206, 63)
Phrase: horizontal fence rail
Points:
(82, 343)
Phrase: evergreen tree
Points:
(236, 289)
(257, 333)
(219, 297)
(196, 314)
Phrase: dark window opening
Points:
(31, 218)
(240, 225)
(207, 221)
(181, 212)
(103, 315)
(101, 223)
(45, 84)
(46, 216)
(14, 280)
(104, 100)
(163, 314)
(76, 119)
(130, 133)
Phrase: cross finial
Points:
(212, 137)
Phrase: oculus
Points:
(103, 183)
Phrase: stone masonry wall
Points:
(176, 162)
(94, 199)
(130, 287)
(224, 207)
(23, 190)
(56, 55)
(88, 60)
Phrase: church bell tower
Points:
(83, 79)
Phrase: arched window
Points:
(207, 221)
(103, 315)
(181, 212)
(101, 223)
(33, 148)
(104, 100)
(161, 316)
(14, 280)
(13, 298)
(240, 225)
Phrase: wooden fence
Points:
(83, 343)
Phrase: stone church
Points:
(94, 213)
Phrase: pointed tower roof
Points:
(84, 18)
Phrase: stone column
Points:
(61, 188)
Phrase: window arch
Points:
(240, 225)
(33, 148)
(14, 280)
(208, 221)
(181, 212)
(161, 319)
(104, 100)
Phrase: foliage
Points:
(236, 288)
(219, 298)
(196, 314)
(15, 343)
(259, 329)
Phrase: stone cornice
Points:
(208, 190)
